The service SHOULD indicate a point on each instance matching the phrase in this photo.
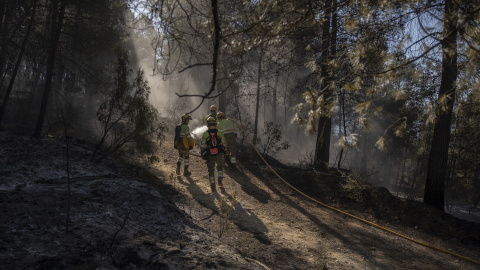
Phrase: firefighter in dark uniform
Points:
(213, 151)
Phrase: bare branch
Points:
(216, 46)
(195, 65)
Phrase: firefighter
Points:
(213, 112)
(227, 127)
(212, 150)
(184, 144)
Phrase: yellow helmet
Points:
(211, 121)
(213, 108)
(186, 116)
(220, 115)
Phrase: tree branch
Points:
(216, 46)
(195, 65)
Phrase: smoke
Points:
(198, 132)
(163, 95)
(301, 145)
(196, 81)
(275, 106)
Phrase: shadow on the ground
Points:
(237, 174)
(244, 219)
(247, 220)
(271, 181)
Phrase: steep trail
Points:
(275, 226)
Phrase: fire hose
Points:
(343, 212)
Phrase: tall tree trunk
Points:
(438, 158)
(333, 52)
(257, 104)
(333, 34)
(342, 120)
(274, 101)
(19, 60)
(449, 186)
(322, 149)
(57, 25)
(222, 86)
(10, 25)
(285, 100)
(401, 181)
(237, 104)
(414, 176)
(3, 39)
(216, 44)
(3, 11)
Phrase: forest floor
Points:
(114, 215)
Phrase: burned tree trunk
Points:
(57, 25)
(437, 161)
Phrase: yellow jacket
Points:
(186, 136)
(226, 126)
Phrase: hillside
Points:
(123, 216)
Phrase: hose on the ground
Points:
(348, 214)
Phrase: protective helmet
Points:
(213, 108)
(211, 121)
(186, 116)
(220, 115)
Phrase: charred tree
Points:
(322, 149)
(19, 60)
(438, 158)
(257, 103)
(58, 14)
(6, 15)
(274, 98)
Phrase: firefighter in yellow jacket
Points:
(212, 150)
(227, 127)
(184, 144)
(213, 112)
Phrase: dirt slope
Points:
(127, 217)
(281, 228)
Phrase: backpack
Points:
(177, 138)
(214, 143)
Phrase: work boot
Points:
(186, 172)
(213, 187)
(220, 184)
